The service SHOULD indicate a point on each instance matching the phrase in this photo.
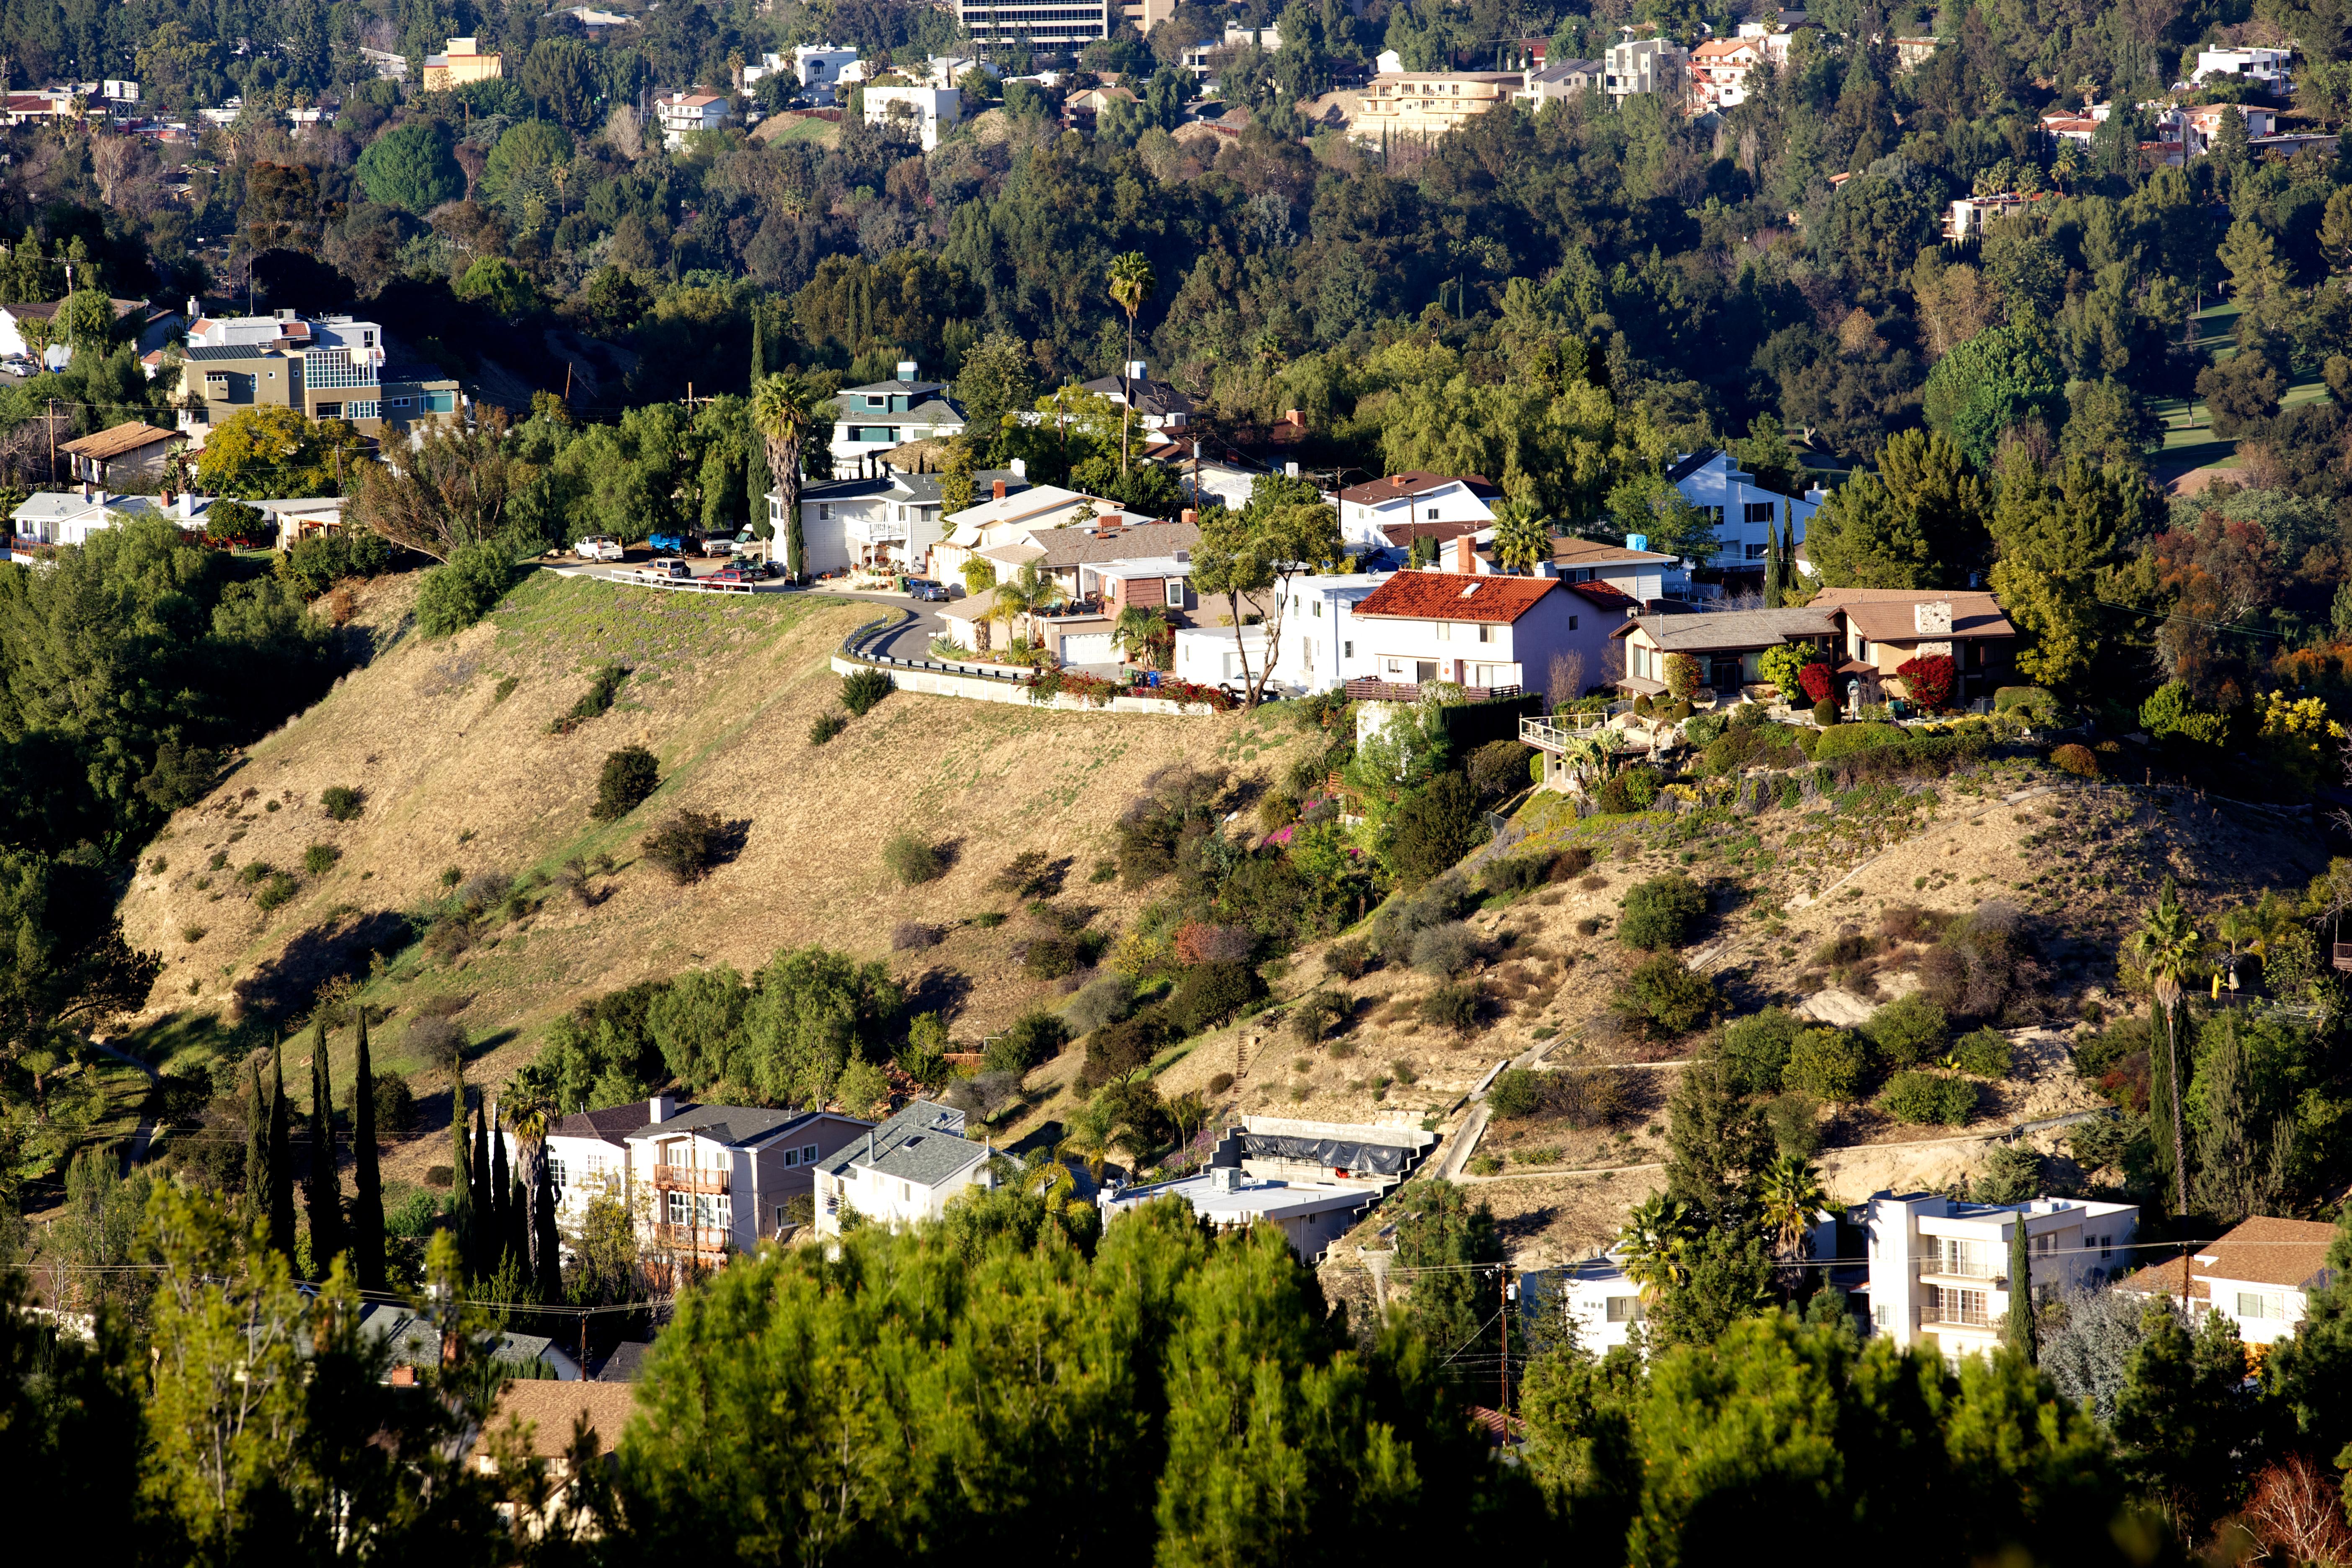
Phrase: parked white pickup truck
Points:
(599, 547)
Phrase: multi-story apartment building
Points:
(699, 1182)
(1940, 1269)
(458, 64)
(1640, 66)
(1428, 105)
(684, 113)
(1055, 24)
(327, 367)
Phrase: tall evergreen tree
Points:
(257, 1148)
(281, 1159)
(758, 341)
(1772, 567)
(323, 1194)
(502, 1208)
(2019, 1335)
(518, 1241)
(547, 1246)
(367, 1178)
(484, 1258)
(461, 1172)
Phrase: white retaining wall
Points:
(980, 689)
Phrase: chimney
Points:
(906, 370)
(660, 1108)
(1932, 619)
(1297, 416)
(1465, 556)
(187, 506)
(1188, 516)
(996, 489)
(1020, 468)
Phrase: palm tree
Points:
(1522, 536)
(784, 409)
(2167, 946)
(1132, 282)
(1028, 592)
(1793, 1199)
(1136, 633)
(1653, 1248)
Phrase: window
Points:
(1626, 1310)
(677, 1153)
(1175, 586)
(1433, 514)
(874, 402)
(1572, 622)
(808, 1154)
(555, 1171)
(1878, 1316)
(1486, 633)
(1967, 1308)
(1347, 650)
(1442, 631)
(681, 1208)
(1319, 609)
(1758, 511)
(791, 1158)
(1757, 552)
(2251, 1304)
(825, 511)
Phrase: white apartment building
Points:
(1641, 65)
(684, 113)
(903, 1172)
(1414, 497)
(1043, 24)
(1602, 1306)
(1939, 1268)
(700, 1180)
(1742, 509)
(1313, 1179)
(929, 111)
(2260, 1275)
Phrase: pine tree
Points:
(367, 1178)
(323, 1193)
(2019, 1335)
(547, 1245)
(461, 1174)
(256, 1149)
(281, 1160)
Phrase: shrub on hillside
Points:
(593, 703)
(1317, 1015)
(1349, 960)
(2032, 703)
(1795, 1119)
(1755, 1049)
(1703, 728)
(1434, 829)
(316, 562)
(1845, 740)
(1209, 993)
(1034, 1037)
(1447, 950)
(2080, 761)
(1119, 1048)
(1985, 1053)
(912, 860)
(861, 690)
(1104, 1000)
(1825, 713)
(629, 777)
(1682, 676)
(825, 726)
(395, 1104)
(341, 803)
(1927, 1098)
(279, 888)
(1393, 927)
(1665, 999)
(319, 858)
(1517, 874)
(915, 936)
(434, 1040)
(1827, 1064)
(1453, 1007)
(454, 596)
(1515, 1094)
(1499, 768)
(687, 845)
(1199, 942)
(1910, 1029)
(1661, 913)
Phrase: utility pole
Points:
(1503, 1293)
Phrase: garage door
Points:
(1094, 647)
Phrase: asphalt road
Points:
(911, 641)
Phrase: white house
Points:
(930, 111)
(1322, 646)
(2260, 1275)
(1601, 1306)
(820, 66)
(889, 520)
(1367, 511)
(902, 1172)
(1473, 629)
(1213, 655)
(699, 1181)
(1014, 511)
(1939, 1268)
(947, 70)
(684, 113)
(2266, 68)
(1743, 510)
(1643, 576)
(884, 415)
(1313, 1179)
(70, 517)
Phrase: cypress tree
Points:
(2020, 1334)
(519, 1228)
(547, 1245)
(461, 1174)
(257, 1148)
(323, 1194)
(367, 1179)
(281, 1159)
(487, 1230)
(502, 1205)
(758, 341)
(1788, 579)
(1771, 568)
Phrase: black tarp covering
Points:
(1332, 1153)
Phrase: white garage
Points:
(1088, 647)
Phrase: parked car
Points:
(926, 591)
(675, 542)
(719, 544)
(599, 547)
(672, 569)
(738, 572)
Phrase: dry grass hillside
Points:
(452, 747)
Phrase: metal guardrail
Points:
(856, 645)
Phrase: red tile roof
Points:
(1446, 596)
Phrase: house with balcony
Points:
(460, 61)
(1389, 513)
(1939, 1268)
(1643, 576)
(1745, 513)
(325, 367)
(1314, 1180)
(682, 114)
(872, 419)
(699, 1182)
(887, 521)
(1718, 72)
(1491, 633)
(1424, 105)
(1013, 512)
(904, 1171)
(1637, 67)
(2263, 68)
(2260, 1275)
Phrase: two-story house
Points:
(873, 418)
(699, 1182)
(1483, 631)
(460, 61)
(1882, 629)
(1391, 513)
(1718, 72)
(1014, 511)
(902, 1172)
(684, 113)
(326, 367)
(1644, 577)
(1939, 1268)
(2260, 1275)
(1064, 554)
(1745, 513)
(1159, 404)
(887, 520)
(1602, 1305)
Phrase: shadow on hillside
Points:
(940, 991)
(281, 989)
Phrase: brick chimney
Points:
(1297, 416)
(1465, 556)
(1188, 516)
(996, 489)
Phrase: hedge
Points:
(1927, 1099)
(1845, 739)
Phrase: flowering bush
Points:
(1197, 941)
(2299, 736)
(1093, 690)
(1188, 691)
(1818, 682)
(1929, 680)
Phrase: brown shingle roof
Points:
(2292, 1253)
(1447, 597)
(1573, 552)
(1066, 547)
(550, 1408)
(1728, 629)
(106, 444)
(1883, 614)
(1415, 482)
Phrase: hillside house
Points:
(682, 114)
(1562, 78)
(71, 516)
(1014, 510)
(902, 1172)
(1313, 1179)
(1939, 1272)
(1602, 1305)
(459, 62)
(1426, 105)
(1718, 72)
(1489, 633)
(873, 418)
(1370, 512)
(1643, 576)
(1729, 646)
(136, 453)
(1882, 629)
(1745, 513)
(1213, 656)
(928, 111)
(2260, 1275)
(887, 521)
(700, 1181)
(550, 1413)
(2263, 68)
(1159, 404)
(327, 368)
(1064, 554)
(1637, 67)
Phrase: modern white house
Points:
(1320, 639)
(1743, 510)
(2265, 68)
(684, 113)
(1473, 629)
(902, 1172)
(1638, 66)
(1313, 1179)
(1369, 512)
(928, 110)
(820, 66)
(1211, 656)
(1939, 1270)
(2260, 1275)
(699, 1182)
(874, 418)
(1603, 1307)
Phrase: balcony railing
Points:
(1365, 689)
(1961, 1267)
(700, 1239)
(686, 1179)
(1955, 1317)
